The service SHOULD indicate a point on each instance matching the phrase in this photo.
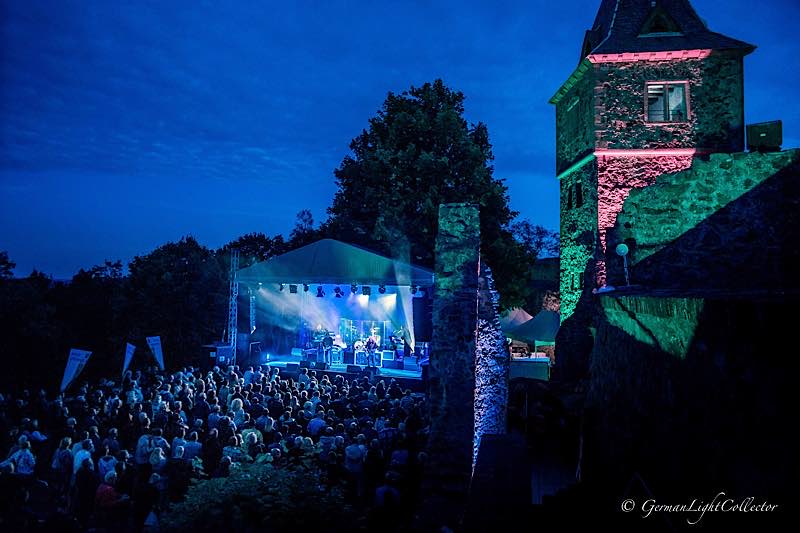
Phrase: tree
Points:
(537, 240)
(6, 266)
(417, 153)
(178, 291)
(303, 232)
(253, 248)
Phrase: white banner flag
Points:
(129, 349)
(155, 347)
(75, 363)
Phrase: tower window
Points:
(569, 197)
(667, 102)
(578, 194)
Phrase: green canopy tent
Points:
(539, 331)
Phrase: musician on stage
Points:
(327, 349)
(372, 348)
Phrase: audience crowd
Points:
(117, 454)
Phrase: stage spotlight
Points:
(281, 287)
(305, 287)
(366, 290)
(293, 289)
(413, 289)
(338, 292)
(320, 292)
(353, 288)
(382, 289)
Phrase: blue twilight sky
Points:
(125, 125)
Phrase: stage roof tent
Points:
(541, 328)
(335, 262)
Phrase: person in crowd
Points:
(106, 463)
(108, 502)
(85, 491)
(354, 463)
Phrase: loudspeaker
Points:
(423, 318)
(320, 365)
(353, 369)
(398, 365)
(292, 367)
(349, 357)
(305, 364)
(765, 136)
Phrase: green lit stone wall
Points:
(727, 222)
(716, 102)
(578, 237)
(692, 390)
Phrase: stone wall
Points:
(492, 362)
(578, 236)
(575, 123)
(731, 221)
(452, 367)
(693, 393)
(617, 177)
(716, 104)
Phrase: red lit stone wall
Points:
(716, 104)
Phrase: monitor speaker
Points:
(305, 364)
(292, 367)
(353, 369)
(321, 365)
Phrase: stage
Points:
(291, 363)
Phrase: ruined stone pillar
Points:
(452, 367)
(492, 364)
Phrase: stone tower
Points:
(654, 89)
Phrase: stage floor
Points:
(280, 361)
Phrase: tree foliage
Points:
(6, 266)
(178, 291)
(537, 240)
(417, 153)
(258, 497)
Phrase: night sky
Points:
(123, 127)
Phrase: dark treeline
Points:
(178, 291)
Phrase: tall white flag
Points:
(129, 349)
(75, 363)
(155, 347)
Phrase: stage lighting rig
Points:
(320, 292)
(382, 289)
